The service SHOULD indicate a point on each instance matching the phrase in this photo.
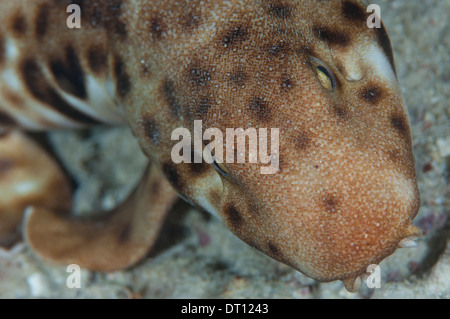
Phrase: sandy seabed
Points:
(197, 257)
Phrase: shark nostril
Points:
(371, 94)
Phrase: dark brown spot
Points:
(372, 94)
(105, 14)
(303, 141)
(6, 120)
(38, 86)
(286, 84)
(235, 35)
(234, 217)
(274, 250)
(42, 20)
(156, 28)
(69, 74)
(238, 78)
(19, 25)
(385, 44)
(121, 29)
(331, 36)
(125, 233)
(97, 58)
(340, 111)
(199, 76)
(400, 124)
(172, 176)
(191, 20)
(353, 11)
(280, 10)
(168, 91)
(305, 50)
(260, 109)
(331, 203)
(151, 129)
(112, 20)
(123, 83)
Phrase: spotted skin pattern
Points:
(345, 193)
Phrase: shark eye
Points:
(324, 74)
(221, 168)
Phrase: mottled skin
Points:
(345, 194)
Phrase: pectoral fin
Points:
(106, 241)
